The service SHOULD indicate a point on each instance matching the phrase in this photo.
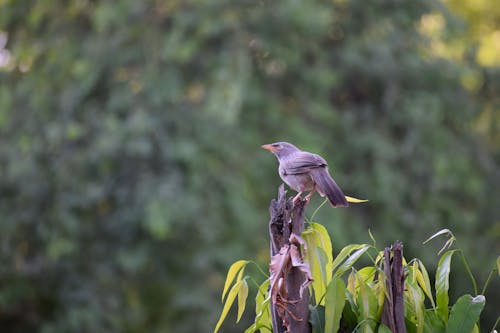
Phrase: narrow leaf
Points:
(465, 313)
(324, 243)
(416, 298)
(233, 270)
(368, 306)
(425, 283)
(229, 301)
(344, 253)
(317, 260)
(442, 285)
(354, 200)
(351, 260)
(262, 312)
(242, 299)
(334, 304)
(440, 232)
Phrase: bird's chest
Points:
(299, 183)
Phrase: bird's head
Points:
(281, 149)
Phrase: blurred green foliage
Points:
(130, 133)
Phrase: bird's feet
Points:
(308, 196)
(297, 198)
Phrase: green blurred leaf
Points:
(383, 329)
(355, 200)
(231, 274)
(320, 257)
(229, 301)
(242, 299)
(334, 304)
(351, 259)
(433, 322)
(439, 233)
(465, 313)
(415, 295)
(262, 309)
(367, 306)
(448, 243)
(317, 318)
(442, 285)
(424, 282)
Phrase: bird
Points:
(303, 171)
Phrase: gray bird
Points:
(304, 171)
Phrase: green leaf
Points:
(465, 313)
(442, 284)
(425, 283)
(324, 243)
(440, 232)
(448, 243)
(318, 261)
(416, 298)
(344, 253)
(354, 200)
(383, 329)
(432, 322)
(233, 270)
(351, 260)
(367, 306)
(317, 318)
(242, 298)
(229, 301)
(334, 304)
(262, 312)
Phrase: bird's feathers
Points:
(326, 186)
(303, 162)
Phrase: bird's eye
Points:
(275, 145)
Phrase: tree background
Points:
(131, 173)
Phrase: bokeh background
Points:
(131, 173)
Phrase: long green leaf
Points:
(465, 313)
(442, 285)
(344, 253)
(439, 233)
(416, 297)
(317, 260)
(317, 318)
(354, 200)
(351, 260)
(262, 312)
(231, 274)
(334, 304)
(432, 322)
(424, 282)
(229, 301)
(367, 304)
(242, 299)
(325, 243)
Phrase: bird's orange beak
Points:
(269, 147)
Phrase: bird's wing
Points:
(303, 162)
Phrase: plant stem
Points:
(469, 272)
(317, 209)
(487, 281)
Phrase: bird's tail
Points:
(326, 186)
